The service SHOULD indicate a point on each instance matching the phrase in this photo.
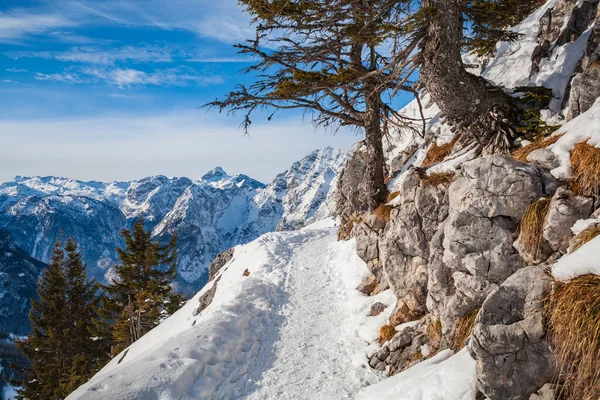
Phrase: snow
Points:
(582, 224)
(584, 128)
(442, 377)
(583, 261)
(294, 328)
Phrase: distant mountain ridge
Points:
(209, 215)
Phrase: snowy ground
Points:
(295, 328)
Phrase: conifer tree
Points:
(60, 349)
(141, 296)
(334, 60)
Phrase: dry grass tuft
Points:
(574, 319)
(464, 329)
(522, 152)
(392, 196)
(383, 213)
(434, 333)
(585, 165)
(438, 179)
(531, 229)
(347, 225)
(585, 236)
(386, 332)
(437, 154)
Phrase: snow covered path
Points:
(295, 328)
(312, 356)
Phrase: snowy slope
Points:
(295, 328)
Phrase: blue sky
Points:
(110, 89)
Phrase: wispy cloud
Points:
(18, 24)
(129, 77)
(218, 19)
(220, 60)
(147, 53)
(17, 70)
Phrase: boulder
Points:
(367, 234)
(544, 158)
(509, 342)
(565, 209)
(220, 260)
(376, 309)
(404, 350)
(367, 285)
(418, 212)
(473, 254)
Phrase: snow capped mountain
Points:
(208, 215)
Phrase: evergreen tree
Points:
(60, 349)
(333, 59)
(141, 296)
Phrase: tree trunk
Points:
(484, 111)
(374, 191)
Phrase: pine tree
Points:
(60, 349)
(87, 351)
(141, 296)
(334, 60)
(46, 346)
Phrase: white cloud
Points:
(18, 24)
(223, 20)
(124, 148)
(128, 77)
(107, 56)
(16, 70)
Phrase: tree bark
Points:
(484, 111)
(374, 189)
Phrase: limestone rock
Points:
(585, 89)
(376, 309)
(544, 158)
(565, 209)
(404, 247)
(514, 356)
(474, 252)
(220, 260)
(350, 201)
(367, 285)
(404, 349)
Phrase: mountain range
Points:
(209, 215)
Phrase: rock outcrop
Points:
(418, 212)
(220, 260)
(509, 342)
(474, 253)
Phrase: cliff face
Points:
(457, 249)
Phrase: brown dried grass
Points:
(434, 333)
(438, 179)
(437, 154)
(383, 213)
(386, 332)
(522, 152)
(463, 330)
(584, 237)
(531, 228)
(392, 196)
(574, 320)
(346, 227)
(585, 165)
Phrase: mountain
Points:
(478, 279)
(208, 215)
